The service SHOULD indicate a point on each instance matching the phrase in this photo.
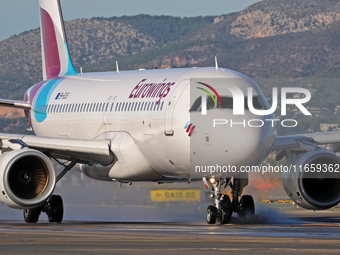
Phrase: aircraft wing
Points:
(294, 141)
(15, 104)
(85, 150)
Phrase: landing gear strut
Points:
(53, 207)
(223, 207)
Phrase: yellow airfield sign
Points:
(175, 195)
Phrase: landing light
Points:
(212, 180)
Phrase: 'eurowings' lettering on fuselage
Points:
(151, 90)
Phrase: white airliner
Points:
(142, 126)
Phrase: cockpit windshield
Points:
(227, 103)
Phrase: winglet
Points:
(56, 60)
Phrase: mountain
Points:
(92, 42)
(271, 39)
(276, 17)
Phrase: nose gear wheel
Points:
(224, 207)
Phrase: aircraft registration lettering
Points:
(62, 96)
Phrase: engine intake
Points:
(27, 178)
(314, 180)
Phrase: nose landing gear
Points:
(224, 208)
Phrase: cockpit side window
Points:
(210, 103)
(196, 106)
(256, 103)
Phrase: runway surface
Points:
(276, 229)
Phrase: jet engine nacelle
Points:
(27, 178)
(313, 181)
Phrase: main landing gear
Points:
(224, 207)
(53, 207)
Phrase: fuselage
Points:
(152, 106)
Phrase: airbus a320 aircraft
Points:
(139, 126)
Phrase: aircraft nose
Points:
(246, 145)
(231, 145)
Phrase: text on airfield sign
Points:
(175, 195)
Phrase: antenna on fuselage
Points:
(216, 64)
(117, 67)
